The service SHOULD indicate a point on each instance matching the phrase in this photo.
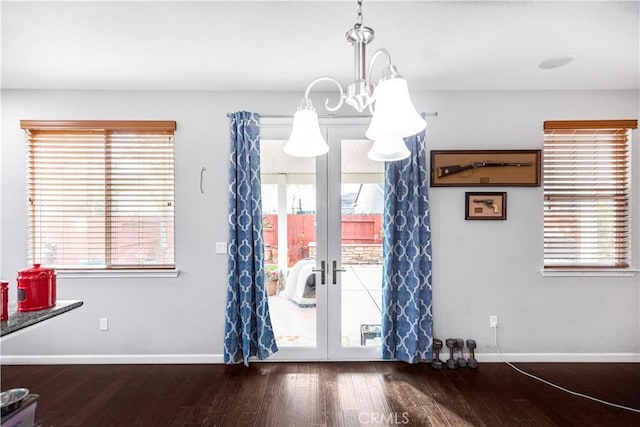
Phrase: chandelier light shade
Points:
(306, 139)
(394, 115)
(389, 150)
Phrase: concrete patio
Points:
(361, 302)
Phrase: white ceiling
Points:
(282, 46)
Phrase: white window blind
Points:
(100, 193)
(586, 168)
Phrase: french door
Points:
(322, 225)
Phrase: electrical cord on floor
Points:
(604, 402)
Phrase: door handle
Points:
(335, 272)
(322, 272)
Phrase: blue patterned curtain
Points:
(407, 323)
(248, 330)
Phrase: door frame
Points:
(328, 219)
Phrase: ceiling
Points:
(282, 46)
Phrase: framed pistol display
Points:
(485, 205)
(485, 168)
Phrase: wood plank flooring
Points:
(327, 394)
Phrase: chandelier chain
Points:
(359, 18)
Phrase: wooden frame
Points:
(485, 205)
(485, 168)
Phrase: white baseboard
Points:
(113, 359)
(133, 359)
(561, 357)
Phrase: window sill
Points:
(593, 272)
(117, 274)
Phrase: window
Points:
(100, 193)
(586, 193)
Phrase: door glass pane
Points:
(289, 232)
(362, 194)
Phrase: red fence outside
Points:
(134, 240)
(363, 229)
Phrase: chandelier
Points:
(394, 116)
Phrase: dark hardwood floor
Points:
(327, 394)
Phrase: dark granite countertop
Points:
(20, 320)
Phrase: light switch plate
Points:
(221, 247)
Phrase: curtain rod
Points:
(328, 116)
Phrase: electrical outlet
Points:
(493, 321)
(104, 324)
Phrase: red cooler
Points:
(4, 289)
(36, 288)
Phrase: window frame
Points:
(622, 269)
(108, 128)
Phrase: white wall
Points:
(480, 267)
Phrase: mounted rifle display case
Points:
(485, 168)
